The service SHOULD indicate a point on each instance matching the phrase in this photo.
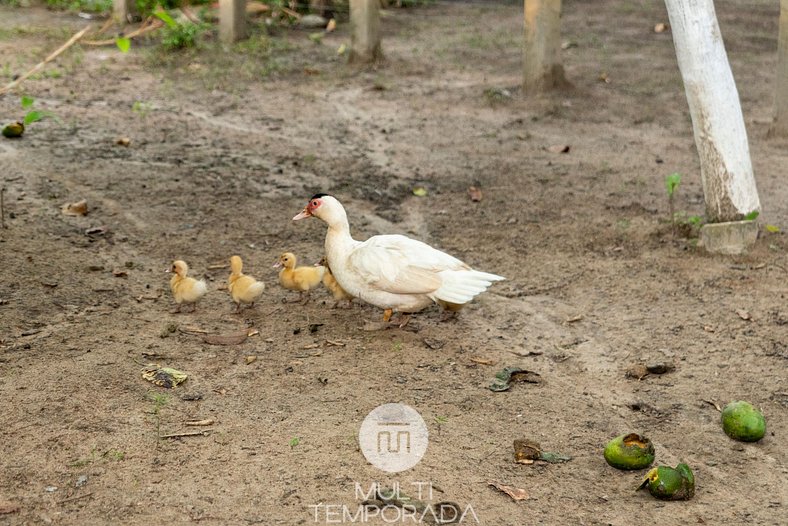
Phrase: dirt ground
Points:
(227, 145)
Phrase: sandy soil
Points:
(227, 145)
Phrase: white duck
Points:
(393, 272)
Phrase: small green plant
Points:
(90, 6)
(159, 400)
(123, 43)
(114, 454)
(752, 216)
(34, 115)
(141, 108)
(672, 183)
(178, 35)
(441, 420)
(294, 442)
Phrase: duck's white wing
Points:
(401, 265)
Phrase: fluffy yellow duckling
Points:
(185, 289)
(340, 295)
(302, 279)
(450, 310)
(243, 288)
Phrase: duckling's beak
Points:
(168, 270)
(303, 215)
(279, 263)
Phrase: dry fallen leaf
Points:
(661, 27)
(163, 376)
(573, 319)
(123, 141)
(475, 193)
(332, 25)
(559, 148)
(233, 338)
(743, 314)
(514, 493)
(603, 77)
(250, 359)
(80, 208)
(120, 273)
(638, 371)
(715, 404)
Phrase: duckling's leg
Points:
(387, 315)
(304, 297)
(402, 319)
(448, 315)
(237, 307)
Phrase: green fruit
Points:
(630, 451)
(667, 483)
(14, 130)
(741, 421)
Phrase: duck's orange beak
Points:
(303, 214)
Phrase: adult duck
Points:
(393, 272)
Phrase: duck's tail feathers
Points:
(461, 286)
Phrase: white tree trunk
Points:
(780, 126)
(365, 31)
(542, 69)
(717, 121)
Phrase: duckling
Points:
(340, 295)
(243, 288)
(450, 310)
(302, 279)
(185, 289)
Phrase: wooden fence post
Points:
(365, 31)
(232, 20)
(124, 10)
(542, 68)
(780, 126)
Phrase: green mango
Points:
(14, 130)
(741, 421)
(668, 483)
(630, 451)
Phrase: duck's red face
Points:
(310, 209)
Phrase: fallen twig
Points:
(76, 497)
(2, 208)
(38, 67)
(192, 330)
(188, 13)
(205, 432)
(290, 12)
(146, 27)
(206, 422)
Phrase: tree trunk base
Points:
(732, 238)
